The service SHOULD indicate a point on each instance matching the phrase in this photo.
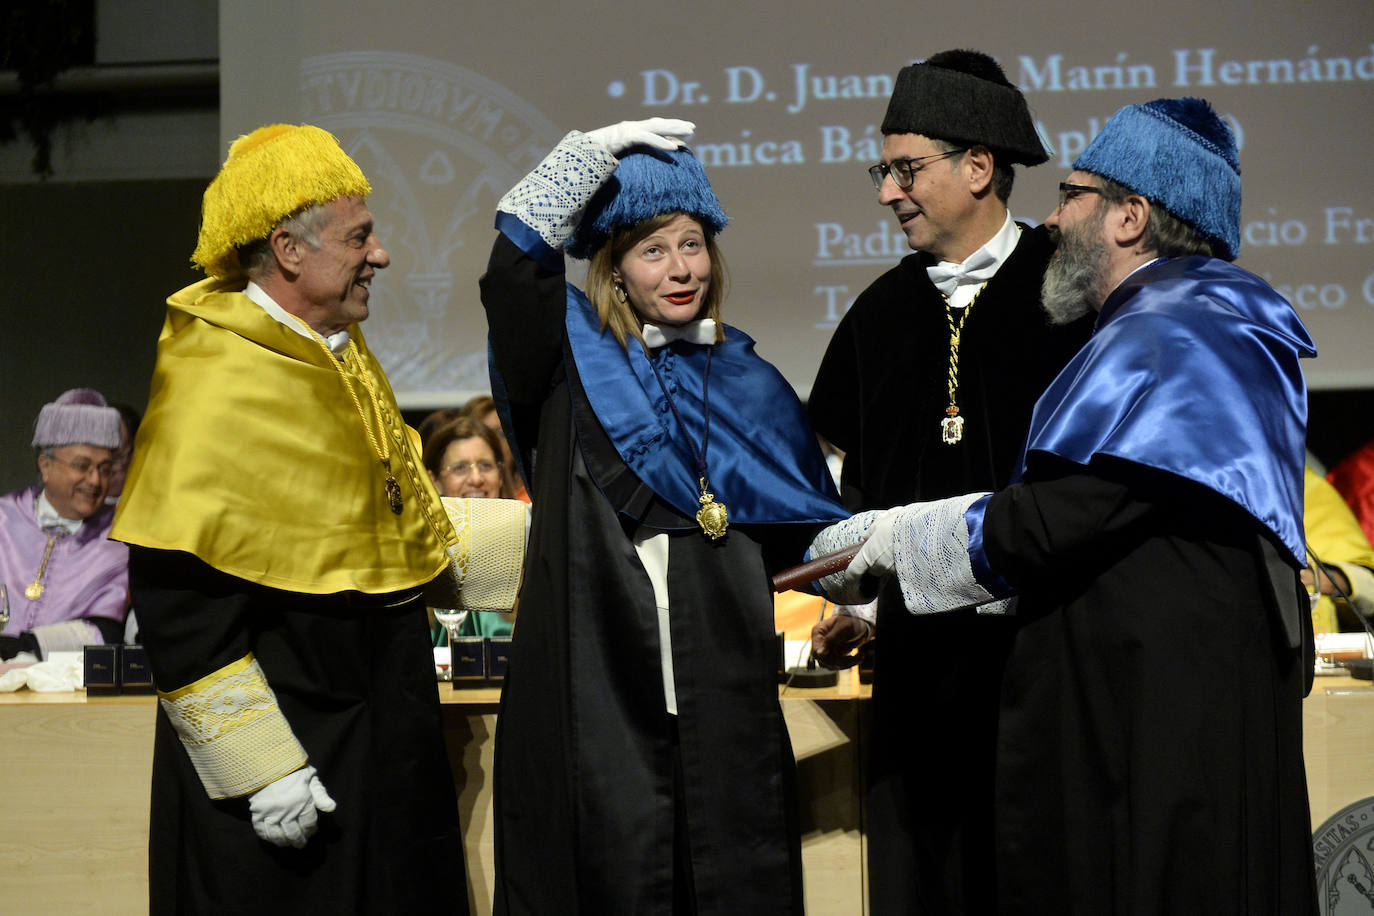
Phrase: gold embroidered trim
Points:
(236, 736)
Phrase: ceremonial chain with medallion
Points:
(379, 448)
(712, 516)
(952, 426)
(34, 590)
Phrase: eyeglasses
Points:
(464, 468)
(1068, 192)
(83, 466)
(903, 171)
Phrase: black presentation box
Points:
(498, 653)
(101, 664)
(134, 674)
(468, 659)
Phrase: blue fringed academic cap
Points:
(647, 182)
(1179, 154)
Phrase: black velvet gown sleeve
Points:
(524, 303)
(1071, 520)
(193, 619)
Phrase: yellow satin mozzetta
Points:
(1335, 535)
(254, 457)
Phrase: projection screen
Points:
(446, 105)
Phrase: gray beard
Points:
(1075, 282)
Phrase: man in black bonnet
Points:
(927, 386)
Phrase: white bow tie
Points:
(702, 331)
(48, 519)
(948, 276)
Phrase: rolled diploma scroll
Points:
(810, 571)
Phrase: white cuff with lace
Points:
(551, 198)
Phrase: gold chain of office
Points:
(352, 357)
(952, 426)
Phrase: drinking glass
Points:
(452, 621)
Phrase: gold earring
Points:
(620, 295)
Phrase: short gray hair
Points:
(257, 257)
(1165, 234)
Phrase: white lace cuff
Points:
(236, 736)
(931, 553)
(486, 555)
(551, 198)
(67, 636)
(836, 586)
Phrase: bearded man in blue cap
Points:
(1150, 732)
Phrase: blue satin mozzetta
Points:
(1192, 369)
(983, 572)
(763, 459)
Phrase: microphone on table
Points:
(1360, 668)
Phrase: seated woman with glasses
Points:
(463, 460)
(641, 755)
(482, 408)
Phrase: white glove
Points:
(660, 133)
(284, 812)
(875, 557)
(845, 586)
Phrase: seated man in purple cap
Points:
(67, 583)
(1149, 752)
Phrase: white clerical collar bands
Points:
(702, 331)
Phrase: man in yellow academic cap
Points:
(281, 529)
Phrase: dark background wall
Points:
(1338, 422)
(109, 132)
(88, 267)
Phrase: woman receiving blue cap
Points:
(642, 762)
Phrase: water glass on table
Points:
(452, 621)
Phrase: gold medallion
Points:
(34, 590)
(393, 494)
(712, 516)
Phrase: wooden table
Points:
(77, 773)
(1338, 744)
(78, 769)
(77, 776)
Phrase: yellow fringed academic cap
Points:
(270, 174)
